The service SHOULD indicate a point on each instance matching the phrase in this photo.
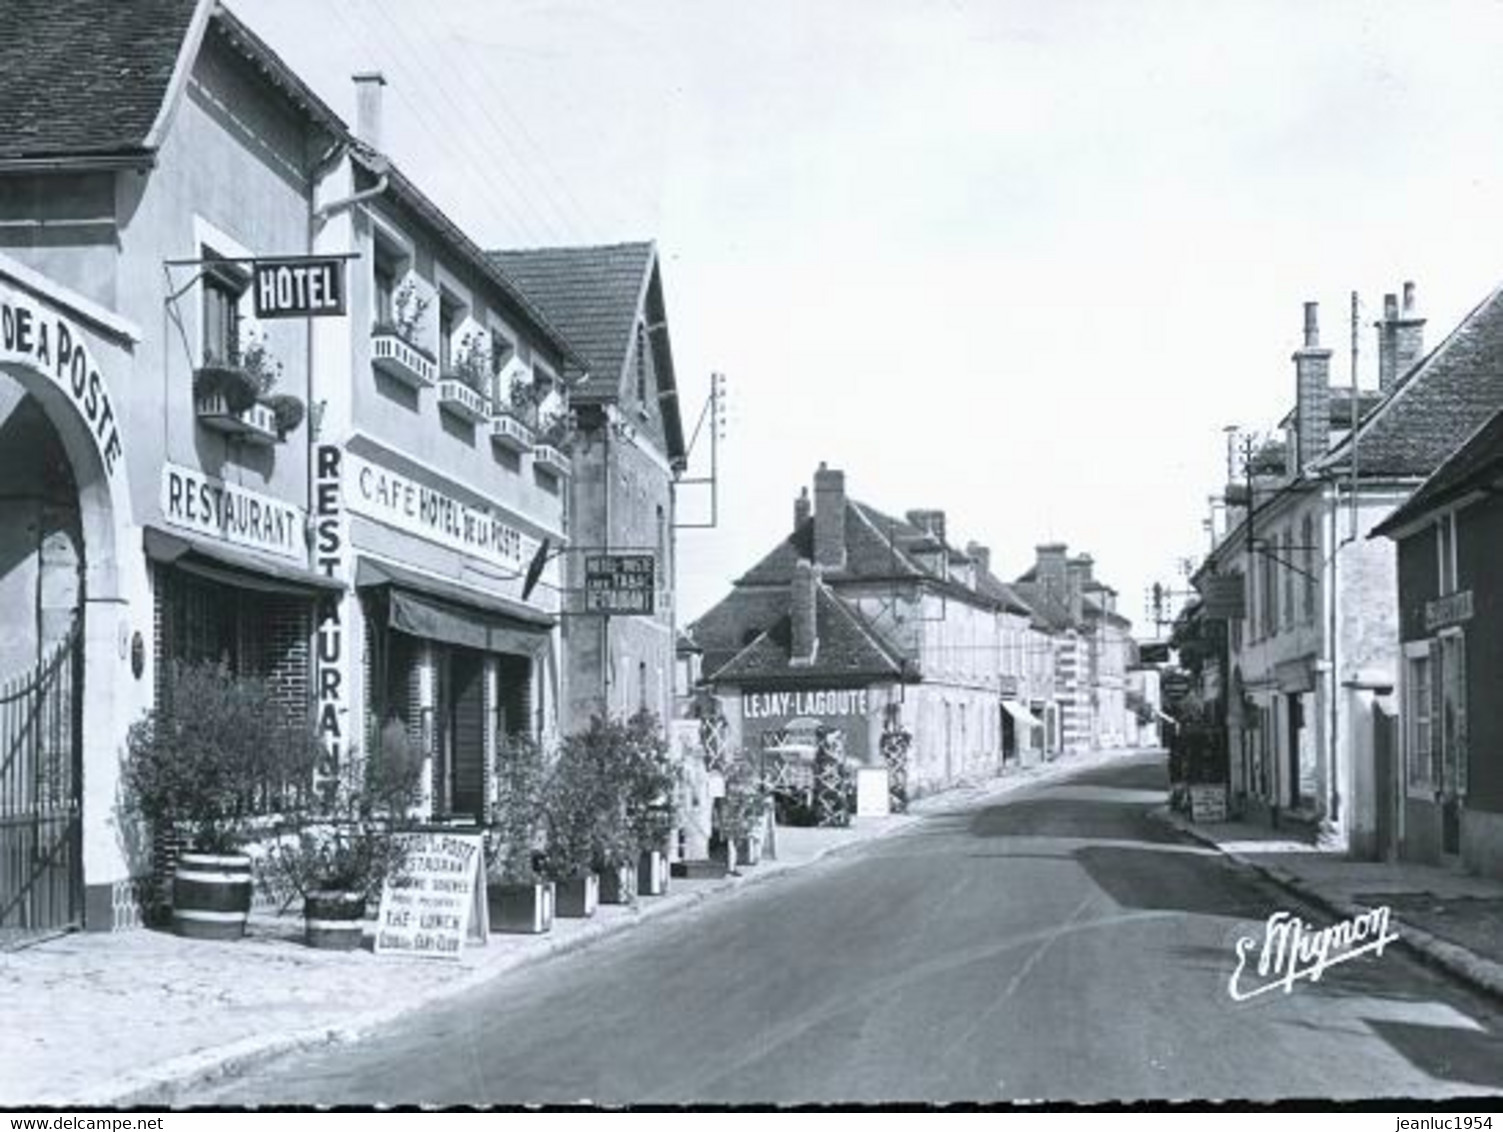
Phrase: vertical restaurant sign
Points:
(207, 505)
(34, 335)
(399, 501)
(328, 558)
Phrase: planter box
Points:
(510, 433)
(748, 851)
(523, 908)
(455, 397)
(211, 895)
(550, 458)
(577, 899)
(399, 359)
(334, 921)
(652, 874)
(709, 869)
(619, 885)
(256, 425)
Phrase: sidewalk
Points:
(116, 1019)
(1451, 920)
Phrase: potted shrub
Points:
(519, 898)
(396, 348)
(462, 387)
(651, 777)
(743, 811)
(339, 849)
(203, 768)
(581, 804)
(237, 395)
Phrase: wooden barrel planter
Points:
(619, 885)
(334, 921)
(211, 895)
(524, 908)
(578, 898)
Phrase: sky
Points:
(1021, 262)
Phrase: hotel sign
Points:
(619, 583)
(207, 505)
(1449, 610)
(427, 513)
(1225, 597)
(301, 287)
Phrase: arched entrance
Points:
(66, 695)
(41, 600)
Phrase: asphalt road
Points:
(1056, 943)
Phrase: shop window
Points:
(1417, 712)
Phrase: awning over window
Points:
(1021, 714)
(230, 566)
(442, 611)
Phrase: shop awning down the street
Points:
(440, 611)
(218, 563)
(1021, 714)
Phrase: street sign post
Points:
(620, 583)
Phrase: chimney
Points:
(801, 605)
(1312, 392)
(931, 521)
(1409, 335)
(1080, 568)
(829, 518)
(1050, 571)
(981, 555)
(802, 508)
(1386, 335)
(368, 86)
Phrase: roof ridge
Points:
(1326, 460)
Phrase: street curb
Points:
(1482, 975)
(159, 1084)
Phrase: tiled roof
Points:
(1098, 609)
(847, 649)
(732, 623)
(1449, 394)
(989, 585)
(86, 78)
(594, 294)
(1478, 459)
(1048, 613)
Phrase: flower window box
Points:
(510, 433)
(397, 358)
(548, 457)
(255, 425)
(455, 397)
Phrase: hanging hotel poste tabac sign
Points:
(298, 287)
(619, 583)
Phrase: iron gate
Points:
(41, 778)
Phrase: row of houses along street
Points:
(1340, 654)
(397, 528)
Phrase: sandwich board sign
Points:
(437, 899)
